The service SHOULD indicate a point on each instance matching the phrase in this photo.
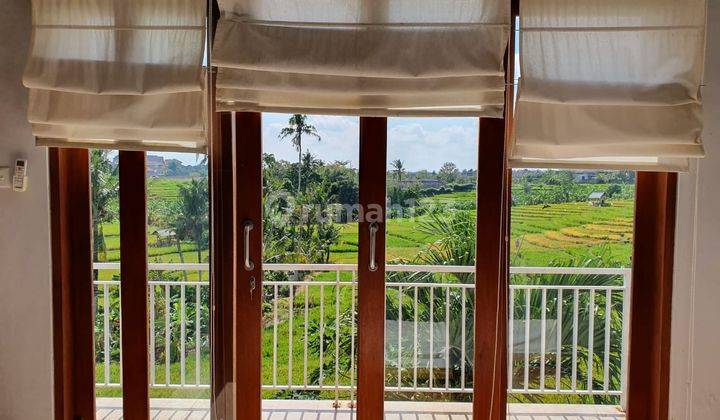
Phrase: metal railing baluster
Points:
(526, 371)
(543, 328)
(451, 291)
(608, 320)
(591, 342)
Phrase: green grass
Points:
(164, 188)
(157, 392)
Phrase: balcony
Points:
(567, 360)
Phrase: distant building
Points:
(597, 198)
(156, 166)
(431, 183)
(585, 176)
(163, 237)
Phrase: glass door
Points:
(310, 249)
(430, 271)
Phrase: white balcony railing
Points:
(562, 338)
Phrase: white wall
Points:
(25, 324)
(695, 353)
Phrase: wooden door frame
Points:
(134, 286)
(648, 386)
(492, 272)
(248, 303)
(72, 284)
(491, 282)
(371, 283)
(222, 278)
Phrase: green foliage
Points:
(192, 221)
(298, 127)
(104, 188)
(448, 172)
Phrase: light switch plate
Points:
(5, 177)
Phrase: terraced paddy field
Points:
(541, 234)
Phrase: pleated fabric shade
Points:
(362, 57)
(610, 84)
(118, 74)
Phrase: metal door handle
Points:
(373, 236)
(248, 225)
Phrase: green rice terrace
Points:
(540, 234)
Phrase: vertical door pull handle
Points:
(373, 237)
(248, 225)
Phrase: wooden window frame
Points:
(248, 286)
(648, 386)
(72, 284)
(371, 283)
(222, 275)
(491, 279)
(135, 326)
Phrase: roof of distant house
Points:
(164, 233)
(155, 159)
(596, 195)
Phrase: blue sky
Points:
(421, 143)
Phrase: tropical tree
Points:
(399, 169)
(192, 222)
(448, 172)
(298, 127)
(104, 185)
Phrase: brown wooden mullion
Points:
(134, 286)
(652, 282)
(248, 297)
(72, 284)
(223, 275)
(490, 279)
(371, 284)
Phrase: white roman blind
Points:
(362, 57)
(121, 74)
(609, 84)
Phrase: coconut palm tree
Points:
(192, 221)
(104, 180)
(399, 169)
(297, 128)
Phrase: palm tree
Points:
(104, 188)
(192, 221)
(399, 169)
(298, 127)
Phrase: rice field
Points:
(540, 234)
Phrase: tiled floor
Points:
(179, 409)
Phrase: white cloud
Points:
(340, 138)
(421, 143)
(428, 143)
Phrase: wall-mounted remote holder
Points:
(20, 178)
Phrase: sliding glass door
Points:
(430, 289)
(321, 322)
(310, 248)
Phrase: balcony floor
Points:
(187, 409)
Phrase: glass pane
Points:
(179, 284)
(179, 314)
(571, 247)
(104, 184)
(432, 170)
(310, 193)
